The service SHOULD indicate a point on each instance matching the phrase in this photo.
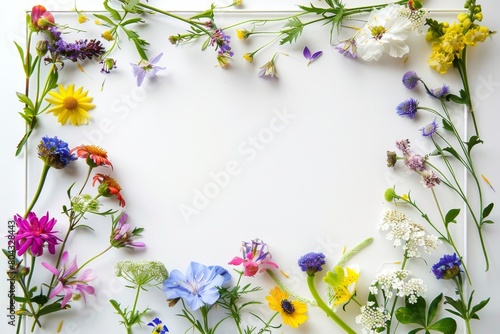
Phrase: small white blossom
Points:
(416, 17)
(405, 232)
(372, 318)
(413, 289)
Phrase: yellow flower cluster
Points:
(449, 41)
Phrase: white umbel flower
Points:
(384, 32)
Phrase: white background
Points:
(314, 183)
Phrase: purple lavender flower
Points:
(311, 263)
(146, 69)
(55, 152)
(448, 267)
(33, 233)
(407, 108)
(440, 92)
(311, 57)
(429, 129)
(410, 79)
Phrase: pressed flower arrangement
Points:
(77, 238)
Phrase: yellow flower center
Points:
(96, 150)
(70, 102)
(378, 32)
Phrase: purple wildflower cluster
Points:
(447, 267)
(55, 152)
(312, 262)
(411, 79)
(221, 41)
(60, 50)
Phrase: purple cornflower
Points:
(146, 69)
(55, 152)
(429, 129)
(407, 108)
(199, 287)
(448, 267)
(430, 179)
(415, 163)
(221, 42)
(311, 57)
(34, 233)
(122, 235)
(347, 48)
(410, 79)
(311, 263)
(158, 326)
(440, 92)
(256, 257)
(67, 282)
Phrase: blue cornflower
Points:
(447, 267)
(429, 129)
(407, 108)
(55, 152)
(440, 92)
(146, 69)
(158, 326)
(311, 263)
(199, 287)
(410, 79)
(311, 57)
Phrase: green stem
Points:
(329, 312)
(287, 290)
(134, 307)
(86, 179)
(45, 170)
(91, 259)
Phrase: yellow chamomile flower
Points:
(293, 312)
(70, 105)
(107, 35)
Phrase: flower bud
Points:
(41, 48)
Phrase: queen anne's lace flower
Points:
(405, 232)
(372, 318)
(412, 289)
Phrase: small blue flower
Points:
(410, 79)
(55, 152)
(159, 327)
(199, 287)
(347, 48)
(407, 108)
(146, 69)
(311, 57)
(440, 92)
(311, 263)
(447, 267)
(429, 129)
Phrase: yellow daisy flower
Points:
(293, 312)
(68, 104)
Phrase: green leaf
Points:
(433, 307)
(294, 31)
(451, 215)
(445, 326)
(130, 6)
(487, 210)
(452, 151)
(447, 125)
(40, 299)
(105, 19)
(51, 308)
(478, 307)
(132, 21)
(487, 222)
(26, 100)
(114, 13)
(473, 141)
(455, 98)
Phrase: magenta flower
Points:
(33, 233)
(146, 69)
(311, 57)
(67, 283)
(122, 235)
(255, 257)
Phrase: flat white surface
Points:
(305, 155)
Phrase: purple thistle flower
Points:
(429, 129)
(448, 267)
(67, 282)
(430, 179)
(146, 69)
(55, 152)
(410, 79)
(407, 108)
(34, 233)
(311, 263)
(158, 326)
(440, 92)
(311, 57)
